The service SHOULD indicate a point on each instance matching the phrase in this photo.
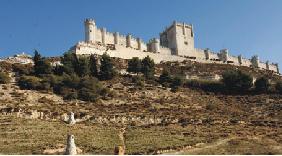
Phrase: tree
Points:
(236, 80)
(107, 71)
(93, 66)
(69, 62)
(41, 65)
(82, 66)
(262, 84)
(165, 78)
(134, 65)
(148, 67)
(36, 57)
(4, 78)
(278, 86)
(58, 70)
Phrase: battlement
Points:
(89, 20)
(176, 43)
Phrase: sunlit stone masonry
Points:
(176, 43)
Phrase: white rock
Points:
(71, 118)
(71, 148)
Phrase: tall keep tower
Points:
(89, 30)
(179, 37)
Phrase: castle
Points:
(176, 43)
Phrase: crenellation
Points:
(104, 35)
(175, 43)
(255, 61)
(128, 40)
(207, 53)
(224, 55)
(116, 38)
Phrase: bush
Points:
(4, 78)
(262, 84)
(93, 66)
(69, 62)
(148, 67)
(68, 93)
(82, 66)
(107, 71)
(138, 80)
(206, 85)
(41, 65)
(90, 89)
(29, 82)
(23, 69)
(71, 81)
(165, 78)
(134, 65)
(278, 87)
(176, 82)
(236, 80)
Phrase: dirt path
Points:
(198, 147)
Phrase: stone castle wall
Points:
(176, 43)
(123, 52)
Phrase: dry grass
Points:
(21, 136)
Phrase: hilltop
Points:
(156, 118)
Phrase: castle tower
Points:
(207, 53)
(154, 45)
(179, 37)
(224, 55)
(255, 61)
(90, 28)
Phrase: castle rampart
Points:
(176, 43)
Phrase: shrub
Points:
(176, 82)
(107, 71)
(69, 62)
(58, 70)
(278, 87)
(29, 82)
(23, 69)
(41, 65)
(6, 66)
(138, 80)
(206, 85)
(68, 93)
(148, 67)
(90, 89)
(93, 66)
(134, 65)
(44, 85)
(71, 81)
(262, 84)
(236, 80)
(165, 78)
(82, 66)
(4, 78)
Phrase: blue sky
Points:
(245, 27)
